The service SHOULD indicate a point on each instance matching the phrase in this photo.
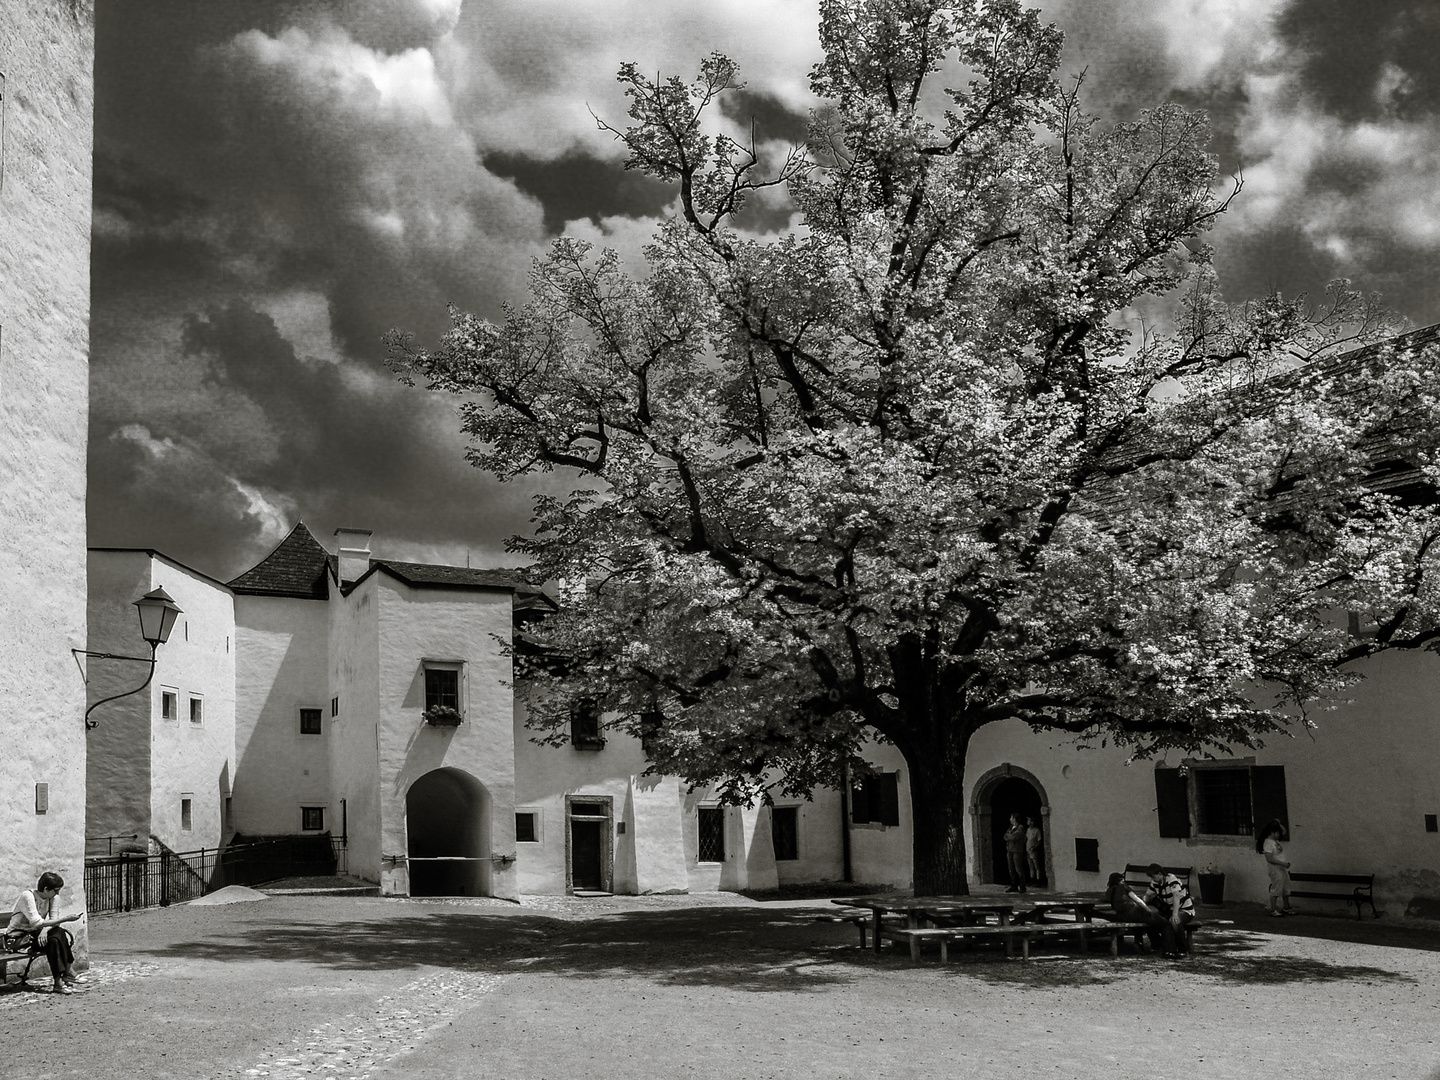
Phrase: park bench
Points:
(1137, 876)
(15, 946)
(1362, 889)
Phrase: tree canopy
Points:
(909, 468)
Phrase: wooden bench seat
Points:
(1025, 933)
(1362, 890)
(861, 918)
(19, 946)
(1137, 876)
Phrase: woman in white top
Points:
(35, 914)
(1267, 843)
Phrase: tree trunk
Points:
(937, 807)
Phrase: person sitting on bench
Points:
(1172, 900)
(1129, 906)
(34, 914)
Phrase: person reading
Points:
(34, 914)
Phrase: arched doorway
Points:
(998, 794)
(447, 826)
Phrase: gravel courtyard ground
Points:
(710, 986)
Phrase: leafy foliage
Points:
(906, 470)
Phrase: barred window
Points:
(310, 721)
(712, 834)
(1222, 801)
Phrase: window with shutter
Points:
(889, 798)
(1172, 802)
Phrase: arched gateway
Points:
(1005, 790)
(447, 826)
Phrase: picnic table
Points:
(951, 918)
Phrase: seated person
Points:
(1129, 906)
(1169, 896)
(34, 914)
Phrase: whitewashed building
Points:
(47, 54)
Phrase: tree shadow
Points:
(749, 949)
(1229, 957)
(738, 948)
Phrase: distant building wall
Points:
(282, 666)
(353, 736)
(193, 753)
(118, 785)
(469, 628)
(47, 53)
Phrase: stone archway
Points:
(447, 828)
(1001, 791)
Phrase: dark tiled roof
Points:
(453, 577)
(298, 567)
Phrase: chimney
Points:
(354, 553)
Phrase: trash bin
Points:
(1212, 889)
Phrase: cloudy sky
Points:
(278, 184)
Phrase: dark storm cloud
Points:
(772, 118)
(1364, 59)
(578, 186)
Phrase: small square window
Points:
(1087, 854)
(785, 832)
(310, 722)
(187, 813)
(312, 818)
(585, 727)
(712, 834)
(197, 710)
(169, 705)
(1222, 801)
(527, 828)
(442, 688)
(1432, 823)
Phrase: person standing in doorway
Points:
(1267, 843)
(1015, 854)
(1033, 842)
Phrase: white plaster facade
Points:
(47, 53)
(162, 762)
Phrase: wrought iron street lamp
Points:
(157, 618)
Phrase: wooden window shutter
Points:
(889, 798)
(1267, 796)
(859, 802)
(1172, 802)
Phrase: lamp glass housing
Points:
(157, 616)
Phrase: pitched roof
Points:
(298, 567)
(450, 577)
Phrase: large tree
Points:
(905, 470)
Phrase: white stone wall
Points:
(47, 54)
(420, 624)
(352, 736)
(118, 785)
(881, 854)
(192, 760)
(282, 666)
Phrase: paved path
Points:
(705, 987)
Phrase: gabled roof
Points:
(154, 554)
(298, 568)
(528, 598)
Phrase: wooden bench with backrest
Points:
(1137, 876)
(1362, 890)
(18, 945)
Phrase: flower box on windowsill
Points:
(443, 716)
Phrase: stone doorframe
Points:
(983, 855)
(607, 838)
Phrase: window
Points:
(42, 798)
(334, 706)
(197, 710)
(310, 722)
(785, 831)
(442, 688)
(712, 834)
(312, 818)
(1087, 855)
(169, 705)
(229, 812)
(527, 827)
(875, 799)
(187, 813)
(585, 726)
(1204, 799)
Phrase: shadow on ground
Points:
(748, 949)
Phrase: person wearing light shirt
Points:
(34, 913)
(1169, 896)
